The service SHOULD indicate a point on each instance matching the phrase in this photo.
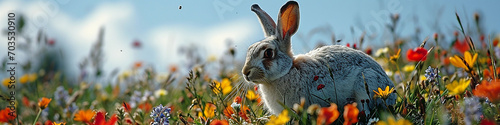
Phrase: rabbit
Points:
(283, 78)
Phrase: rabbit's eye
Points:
(268, 53)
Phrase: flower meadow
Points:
(437, 81)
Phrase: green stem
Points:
(36, 119)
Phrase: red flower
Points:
(237, 99)
(219, 122)
(316, 78)
(145, 106)
(417, 54)
(6, 116)
(461, 46)
(100, 119)
(126, 106)
(348, 45)
(320, 86)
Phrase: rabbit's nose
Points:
(247, 73)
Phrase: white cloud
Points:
(77, 34)
(211, 39)
(80, 35)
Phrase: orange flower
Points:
(490, 90)
(417, 54)
(461, 46)
(350, 114)
(44, 102)
(100, 119)
(488, 73)
(243, 113)
(6, 115)
(327, 115)
(219, 122)
(228, 111)
(84, 116)
(145, 106)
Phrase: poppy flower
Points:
(327, 115)
(461, 45)
(350, 114)
(417, 54)
(100, 119)
(5, 115)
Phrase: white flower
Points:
(160, 92)
(381, 51)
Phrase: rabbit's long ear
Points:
(288, 20)
(266, 21)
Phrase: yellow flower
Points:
(409, 68)
(394, 58)
(224, 85)
(23, 79)
(62, 123)
(209, 110)
(160, 92)
(251, 95)
(383, 94)
(32, 77)
(84, 115)
(457, 88)
(281, 119)
(6, 82)
(466, 62)
(44, 102)
(392, 121)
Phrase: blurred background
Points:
(116, 35)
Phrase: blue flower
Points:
(472, 109)
(432, 74)
(160, 115)
(61, 96)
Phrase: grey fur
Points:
(286, 78)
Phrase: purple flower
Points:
(160, 115)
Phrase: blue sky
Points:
(162, 27)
